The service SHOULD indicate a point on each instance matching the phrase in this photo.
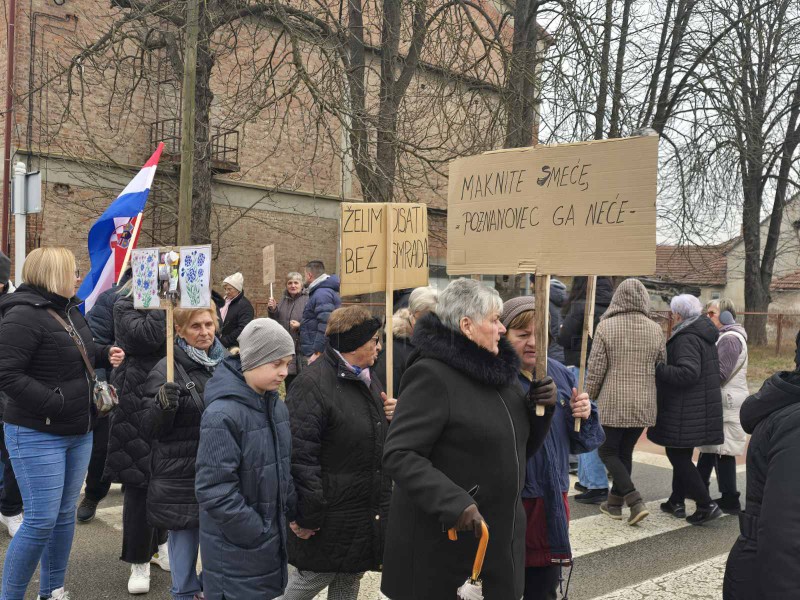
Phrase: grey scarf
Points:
(209, 360)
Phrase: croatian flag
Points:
(113, 233)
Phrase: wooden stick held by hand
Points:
(588, 331)
(542, 294)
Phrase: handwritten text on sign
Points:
(576, 209)
(363, 256)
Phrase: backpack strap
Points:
(190, 386)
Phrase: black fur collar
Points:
(432, 339)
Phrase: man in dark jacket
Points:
(558, 295)
(574, 310)
(244, 484)
(236, 311)
(763, 562)
(340, 417)
(689, 405)
(323, 299)
(10, 497)
(101, 321)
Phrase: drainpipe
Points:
(12, 6)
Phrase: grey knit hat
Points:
(515, 307)
(263, 341)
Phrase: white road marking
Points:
(701, 581)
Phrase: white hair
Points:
(422, 300)
(294, 276)
(686, 305)
(467, 298)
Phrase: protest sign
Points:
(364, 260)
(164, 277)
(575, 209)
(268, 254)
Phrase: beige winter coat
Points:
(628, 345)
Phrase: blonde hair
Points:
(183, 316)
(52, 268)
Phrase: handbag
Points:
(104, 394)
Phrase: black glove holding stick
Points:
(168, 395)
(543, 392)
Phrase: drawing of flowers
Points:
(192, 275)
(144, 274)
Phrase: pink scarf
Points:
(223, 312)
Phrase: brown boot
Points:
(613, 506)
(638, 509)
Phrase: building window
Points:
(715, 295)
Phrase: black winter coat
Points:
(461, 435)
(142, 335)
(689, 397)
(41, 369)
(338, 433)
(764, 562)
(240, 313)
(101, 319)
(571, 336)
(174, 436)
(244, 487)
(403, 349)
(797, 352)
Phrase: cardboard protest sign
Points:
(364, 247)
(574, 209)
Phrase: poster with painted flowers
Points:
(144, 264)
(195, 276)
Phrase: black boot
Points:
(592, 496)
(729, 503)
(704, 514)
(677, 509)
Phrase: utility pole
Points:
(188, 122)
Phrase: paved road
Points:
(661, 559)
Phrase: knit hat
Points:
(5, 268)
(515, 307)
(263, 341)
(354, 338)
(236, 280)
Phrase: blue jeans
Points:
(592, 471)
(50, 470)
(183, 548)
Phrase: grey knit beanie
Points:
(515, 307)
(263, 341)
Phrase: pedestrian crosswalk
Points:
(662, 558)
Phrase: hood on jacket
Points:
(330, 282)
(34, 296)
(228, 385)
(433, 339)
(631, 296)
(558, 292)
(701, 326)
(778, 392)
(735, 327)
(604, 292)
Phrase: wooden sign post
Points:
(269, 267)
(384, 246)
(164, 277)
(542, 316)
(588, 331)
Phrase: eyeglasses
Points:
(77, 273)
(376, 340)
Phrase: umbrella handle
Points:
(477, 566)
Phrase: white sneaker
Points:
(58, 594)
(12, 523)
(161, 558)
(139, 583)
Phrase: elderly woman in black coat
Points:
(339, 415)
(689, 406)
(457, 452)
(172, 424)
(142, 334)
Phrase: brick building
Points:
(276, 180)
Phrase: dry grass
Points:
(764, 362)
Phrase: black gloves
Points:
(470, 520)
(167, 397)
(542, 393)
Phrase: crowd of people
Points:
(276, 443)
